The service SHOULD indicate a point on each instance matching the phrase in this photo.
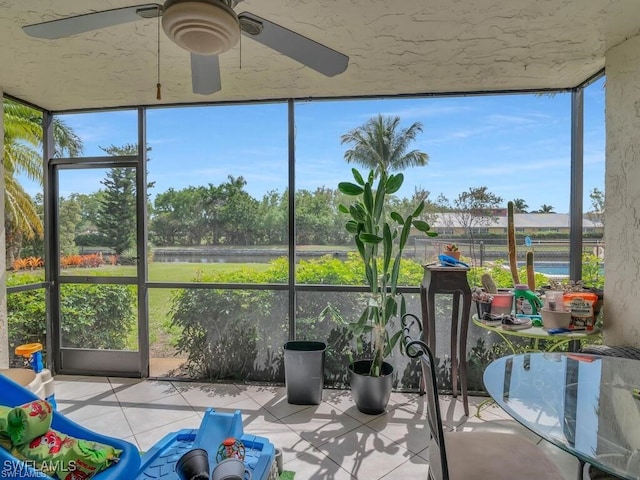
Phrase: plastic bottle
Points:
(527, 302)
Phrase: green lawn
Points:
(165, 272)
(161, 332)
(160, 328)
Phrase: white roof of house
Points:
(522, 220)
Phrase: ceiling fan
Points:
(205, 28)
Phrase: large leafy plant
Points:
(380, 238)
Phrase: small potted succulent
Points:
(483, 300)
(451, 250)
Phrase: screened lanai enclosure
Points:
(172, 244)
(206, 281)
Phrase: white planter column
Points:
(622, 190)
(4, 334)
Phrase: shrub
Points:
(97, 316)
(92, 260)
(238, 334)
(592, 273)
(93, 316)
(70, 261)
(219, 330)
(28, 263)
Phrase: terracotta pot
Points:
(455, 254)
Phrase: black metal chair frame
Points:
(526, 459)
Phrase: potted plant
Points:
(380, 238)
(452, 250)
(483, 301)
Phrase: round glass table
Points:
(586, 405)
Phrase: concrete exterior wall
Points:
(622, 190)
(4, 336)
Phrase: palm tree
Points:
(520, 205)
(22, 154)
(544, 208)
(380, 145)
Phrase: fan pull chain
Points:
(240, 57)
(158, 86)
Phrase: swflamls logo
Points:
(15, 470)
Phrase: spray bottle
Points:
(526, 302)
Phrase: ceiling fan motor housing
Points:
(204, 27)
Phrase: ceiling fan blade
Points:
(205, 74)
(302, 49)
(65, 27)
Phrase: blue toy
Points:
(32, 353)
(447, 261)
(216, 427)
(13, 395)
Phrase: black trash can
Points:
(304, 371)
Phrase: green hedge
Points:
(238, 334)
(93, 316)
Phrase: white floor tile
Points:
(131, 391)
(280, 408)
(205, 395)
(498, 425)
(147, 416)
(265, 394)
(414, 468)
(567, 463)
(327, 441)
(320, 423)
(113, 424)
(405, 425)
(89, 407)
(365, 453)
(72, 388)
(283, 437)
(316, 465)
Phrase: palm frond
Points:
(381, 145)
(20, 212)
(20, 158)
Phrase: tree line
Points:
(222, 214)
(226, 214)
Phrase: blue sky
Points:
(516, 145)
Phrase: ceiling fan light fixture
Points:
(204, 27)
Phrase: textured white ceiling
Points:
(395, 47)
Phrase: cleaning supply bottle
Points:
(527, 302)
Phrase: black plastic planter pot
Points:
(304, 371)
(371, 394)
(483, 307)
(193, 465)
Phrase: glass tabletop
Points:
(584, 404)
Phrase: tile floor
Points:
(328, 441)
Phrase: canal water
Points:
(235, 257)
